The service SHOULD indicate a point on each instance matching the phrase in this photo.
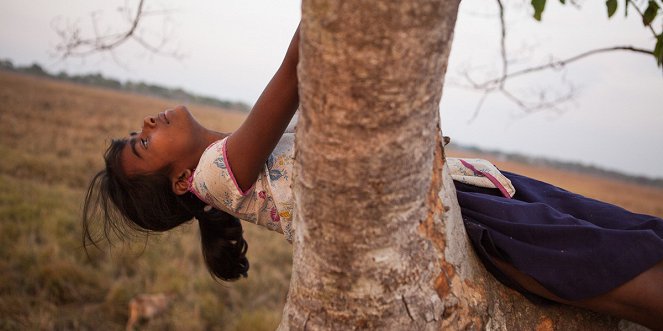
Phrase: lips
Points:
(163, 116)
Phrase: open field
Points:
(52, 136)
(636, 198)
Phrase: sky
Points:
(232, 47)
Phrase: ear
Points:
(181, 181)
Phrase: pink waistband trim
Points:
(490, 177)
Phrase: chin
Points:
(183, 117)
(182, 109)
(181, 112)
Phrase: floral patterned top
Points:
(479, 172)
(269, 202)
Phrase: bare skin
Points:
(639, 300)
(175, 139)
(172, 139)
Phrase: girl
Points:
(545, 242)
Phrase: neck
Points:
(207, 139)
(212, 136)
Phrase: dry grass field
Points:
(636, 198)
(52, 135)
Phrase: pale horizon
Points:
(233, 48)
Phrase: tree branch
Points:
(502, 43)
(642, 15)
(498, 84)
(562, 63)
(74, 45)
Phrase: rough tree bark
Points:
(379, 239)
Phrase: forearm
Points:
(249, 146)
(278, 102)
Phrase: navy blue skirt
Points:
(576, 247)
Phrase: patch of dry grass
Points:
(52, 136)
(636, 198)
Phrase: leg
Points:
(639, 300)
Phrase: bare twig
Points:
(479, 105)
(502, 43)
(562, 63)
(498, 84)
(74, 45)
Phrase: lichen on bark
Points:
(379, 240)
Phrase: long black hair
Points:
(146, 203)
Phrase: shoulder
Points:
(213, 177)
(215, 151)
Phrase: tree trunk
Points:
(379, 241)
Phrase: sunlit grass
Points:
(52, 136)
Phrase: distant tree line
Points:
(179, 94)
(97, 79)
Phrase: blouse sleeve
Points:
(479, 172)
(214, 182)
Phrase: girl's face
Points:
(168, 139)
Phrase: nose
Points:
(149, 122)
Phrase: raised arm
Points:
(247, 148)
